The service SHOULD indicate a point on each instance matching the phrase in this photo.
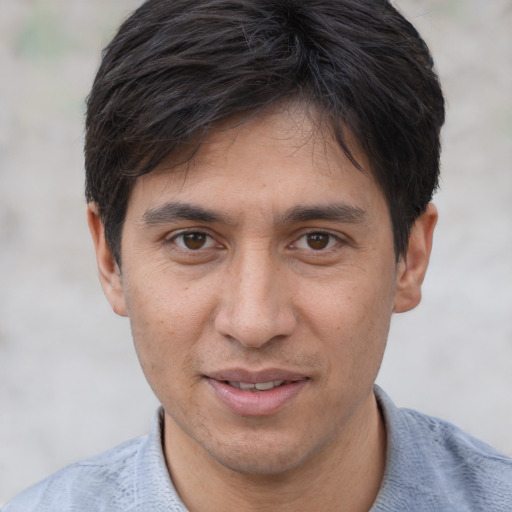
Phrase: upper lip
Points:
(254, 377)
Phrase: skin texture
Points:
(267, 279)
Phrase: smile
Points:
(258, 386)
(256, 394)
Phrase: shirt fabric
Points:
(432, 466)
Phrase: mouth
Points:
(258, 386)
(256, 394)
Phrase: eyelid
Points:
(337, 238)
(214, 243)
(172, 237)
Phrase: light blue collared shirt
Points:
(432, 466)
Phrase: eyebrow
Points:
(336, 212)
(172, 212)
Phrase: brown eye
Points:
(318, 241)
(194, 241)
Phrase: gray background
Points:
(70, 385)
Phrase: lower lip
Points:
(256, 403)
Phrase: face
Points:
(259, 280)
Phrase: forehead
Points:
(276, 159)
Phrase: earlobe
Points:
(108, 269)
(413, 266)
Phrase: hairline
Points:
(318, 116)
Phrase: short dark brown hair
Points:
(176, 67)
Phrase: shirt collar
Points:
(154, 488)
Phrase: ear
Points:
(109, 271)
(413, 266)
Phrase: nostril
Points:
(255, 319)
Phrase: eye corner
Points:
(316, 241)
(192, 241)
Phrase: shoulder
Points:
(455, 452)
(103, 482)
(453, 443)
(434, 465)
(132, 477)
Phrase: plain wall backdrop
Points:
(70, 384)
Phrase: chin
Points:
(261, 456)
(260, 464)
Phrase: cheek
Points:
(352, 317)
(349, 307)
(167, 319)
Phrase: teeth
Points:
(264, 386)
(259, 386)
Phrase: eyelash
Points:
(181, 236)
(332, 242)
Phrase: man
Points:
(259, 177)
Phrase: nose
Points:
(256, 305)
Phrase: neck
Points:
(345, 476)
